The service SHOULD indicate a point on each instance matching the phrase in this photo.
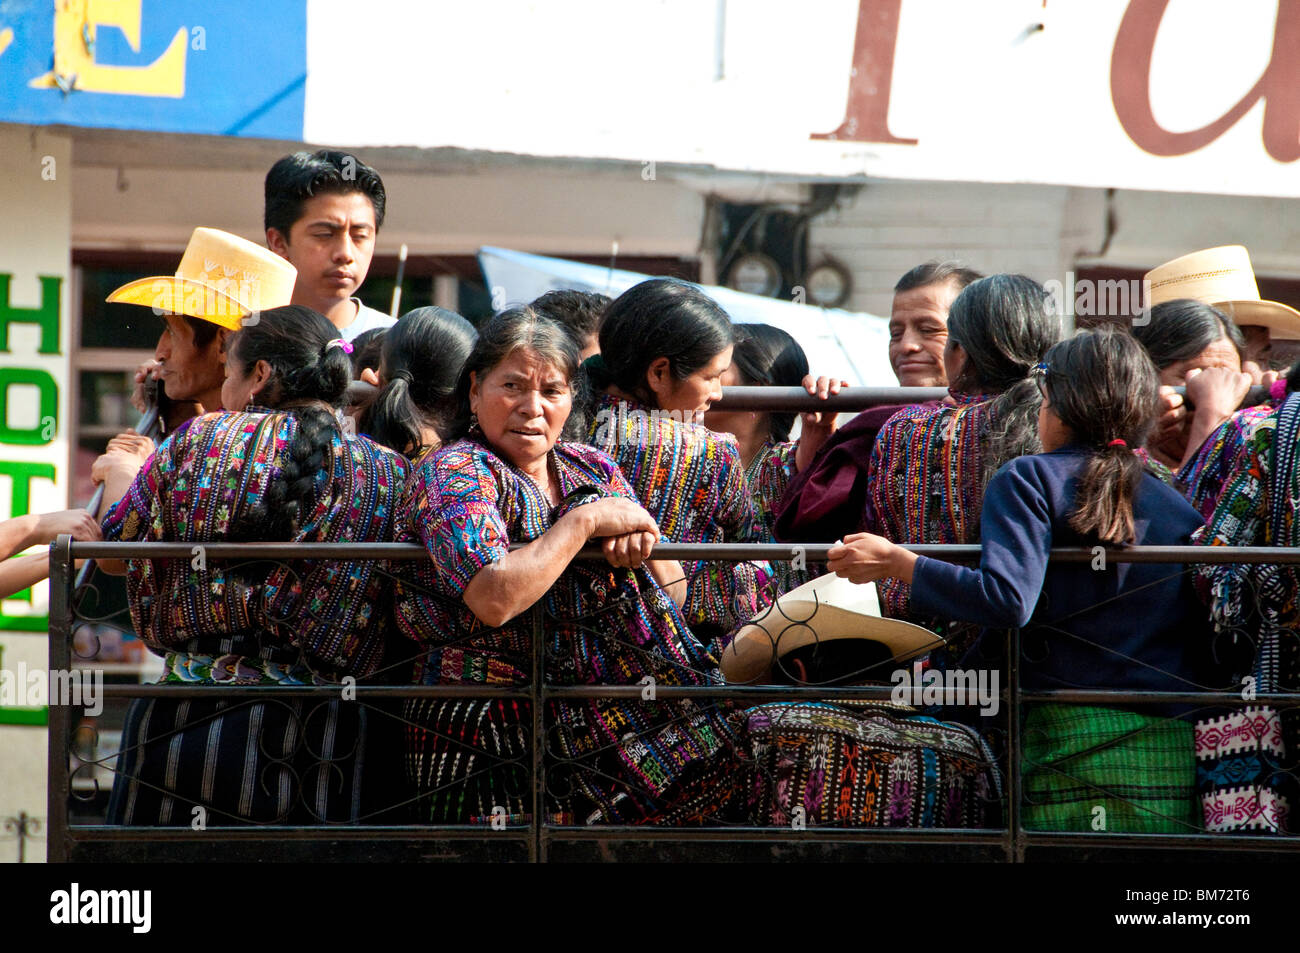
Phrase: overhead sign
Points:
(236, 68)
(1172, 95)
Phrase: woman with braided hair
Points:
(275, 466)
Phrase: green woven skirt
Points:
(1102, 769)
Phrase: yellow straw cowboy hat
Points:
(823, 610)
(222, 278)
(1222, 277)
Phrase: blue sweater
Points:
(1080, 626)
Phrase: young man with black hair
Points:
(323, 213)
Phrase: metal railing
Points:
(541, 840)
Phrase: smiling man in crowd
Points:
(826, 499)
(323, 213)
(918, 321)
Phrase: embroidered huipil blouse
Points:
(692, 482)
(925, 485)
(768, 476)
(270, 621)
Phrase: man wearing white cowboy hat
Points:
(222, 282)
(1223, 277)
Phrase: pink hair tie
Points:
(1277, 390)
(1117, 443)
(339, 342)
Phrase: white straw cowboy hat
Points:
(826, 609)
(222, 278)
(1222, 277)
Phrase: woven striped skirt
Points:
(605, 761)
(1101, 769)
(234, 762)
(857, 765)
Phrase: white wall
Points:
(888, 227)
(36, 196)
(1042, 231)
(528, 209)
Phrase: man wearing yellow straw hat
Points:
(1223, 277)
(223, 282)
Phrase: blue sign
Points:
(236, 68)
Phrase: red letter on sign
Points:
(1279, 86)
(866, 118)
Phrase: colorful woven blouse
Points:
(1205, 475)
(299, 621)
(926, 485)
(692, 482)
(1259, 600)
(1257, 612)
(768, 476)
(603, 625)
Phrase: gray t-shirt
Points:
(366, 319)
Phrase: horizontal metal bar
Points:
(1168, 841)
(104, 832)
(687, 551)
(686, 835)
(1230, 698)
(363, 691)
(798, 399)
(848, 399)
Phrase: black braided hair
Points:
(423, 355)
(1005, 325)
(309, 380)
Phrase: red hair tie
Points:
(1117, 443)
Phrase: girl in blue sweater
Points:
(1126, 626)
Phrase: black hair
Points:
(516, 329)
(836, 662)
(204, 331)
(1179, 330)
(578, 312)
(937, 272)
(1293, 379)
(423, 356)
(1005, 324)
(298, 177)
(306, 372)
(766, 356)
(367, 351)
(1103, 386)
(661, 317)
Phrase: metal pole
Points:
(537, 851)
(1014, 744)
(60, 716)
